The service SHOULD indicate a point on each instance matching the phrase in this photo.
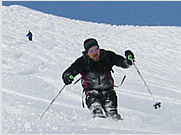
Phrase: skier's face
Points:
(94, 53)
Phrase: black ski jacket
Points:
(96, 75)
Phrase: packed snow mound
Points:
(31, 75)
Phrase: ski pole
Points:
(141, 77)
(52, 101)
(157, 104)
(77, 80)
(121, 82)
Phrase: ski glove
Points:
(68, 79)
(129, 57)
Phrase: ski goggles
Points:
(93, 50)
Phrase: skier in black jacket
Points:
(95, 67)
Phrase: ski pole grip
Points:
(71, 77)
(130, 57)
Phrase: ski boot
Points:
(97, 112)
(114, 115)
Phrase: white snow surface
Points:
(32, 75)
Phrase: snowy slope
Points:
(31, 75)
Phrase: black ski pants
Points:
(106, 98)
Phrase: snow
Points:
(31, 75)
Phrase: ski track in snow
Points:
(31, 75)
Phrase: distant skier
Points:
(30, 36)
(95, 66)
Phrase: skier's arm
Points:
(72, 71)
(119, 60)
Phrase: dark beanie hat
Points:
(90, 42)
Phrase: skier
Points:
(95, 66)
(30, 36)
